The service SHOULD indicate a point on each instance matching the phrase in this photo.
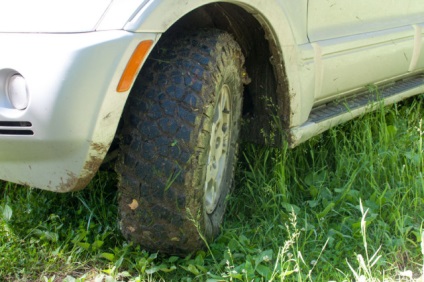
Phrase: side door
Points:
(361, 42)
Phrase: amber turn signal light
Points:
(133, 65)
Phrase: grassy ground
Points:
(347, 205)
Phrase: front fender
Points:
(58, 142)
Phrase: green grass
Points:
(346, 205)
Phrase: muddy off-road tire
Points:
(179, 142)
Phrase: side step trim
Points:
(324, 117)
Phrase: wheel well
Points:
(265, 96)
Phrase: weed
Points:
(294, 216)
(364, 272)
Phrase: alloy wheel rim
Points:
(218, 152)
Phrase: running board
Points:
(331, 114)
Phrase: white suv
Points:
(170, 80)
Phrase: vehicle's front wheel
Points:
(179, 142)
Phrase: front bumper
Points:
(58, 142)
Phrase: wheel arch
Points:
(266, 97)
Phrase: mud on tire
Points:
(179, 142)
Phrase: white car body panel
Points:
(329, 19)
(120, 12)
(51, 15)
(74, 107)
(72, 55)
(338, 62)
(387, 40)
